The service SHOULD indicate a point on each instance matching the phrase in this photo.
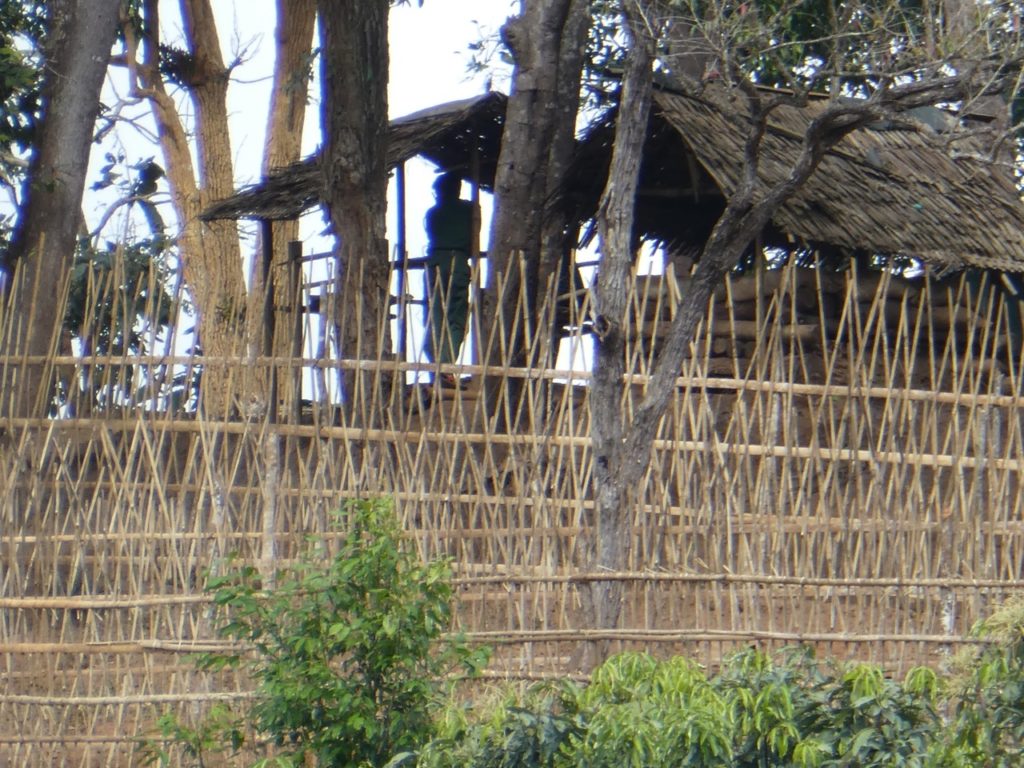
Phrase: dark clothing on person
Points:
(450, 232)
(450, 226)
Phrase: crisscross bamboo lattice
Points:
(841, 466)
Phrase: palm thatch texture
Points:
(912, 188)
(902, 189)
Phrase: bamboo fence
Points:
(840, 466)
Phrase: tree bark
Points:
(293, 40)
(556, 239)
(541, 40)
(605, 540)
(961, 36)
(210, 252)
(688, 54)
(79, 39)
(622, 450)
(354, 44)
(546, 40)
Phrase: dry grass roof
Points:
(901, 189)
(446, 134)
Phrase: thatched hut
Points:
(916, 188)
(909, 188)
(918, 197)
(919, 191)
(463, 136)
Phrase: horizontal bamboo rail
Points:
(555, 375)
(852, 481)
(105, 701)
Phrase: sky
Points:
(429, 65)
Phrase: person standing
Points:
(449, 226)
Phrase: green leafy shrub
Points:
(639, 712)
(987, 695)
(876, 721)
(774, 704)
(221, 732)
(348, 651)
(759, 711)
(515, 729)
(348, 655)
(791, 709)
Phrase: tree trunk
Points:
(545, 68)
(688, 54)
(293, 44)
(605, 539)
(210, 252)
(354, 44)
(546, 41)
(622, 450)
(79, 38)
(535, 39)
(556, 240)
(961, 35)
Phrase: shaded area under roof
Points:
(447, 134)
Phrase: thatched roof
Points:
(898, 189)
(445, 134)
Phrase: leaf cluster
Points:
(988, 694)
(348, 676)
(220, 733)
(21, 33)
(759, 711)
(848, 48)
(116, 298)
(114, 288)
(348, 650)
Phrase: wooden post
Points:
(295, 288)
(474, 251)
(401, 267)
(267, 234)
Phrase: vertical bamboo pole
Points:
(401, 341)
(297, 309)
(267, 227)
(474, 249)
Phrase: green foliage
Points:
(791, 709)
(643, 713)
(220, 733)
(876, 721)
(774, 706)
(347, 657)
(988, 694)
(117, 301)
(21, 30)
(21, 33)
(847, 48)
(112, 290)
(518, 729)
(759, 711)
(346, 649)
